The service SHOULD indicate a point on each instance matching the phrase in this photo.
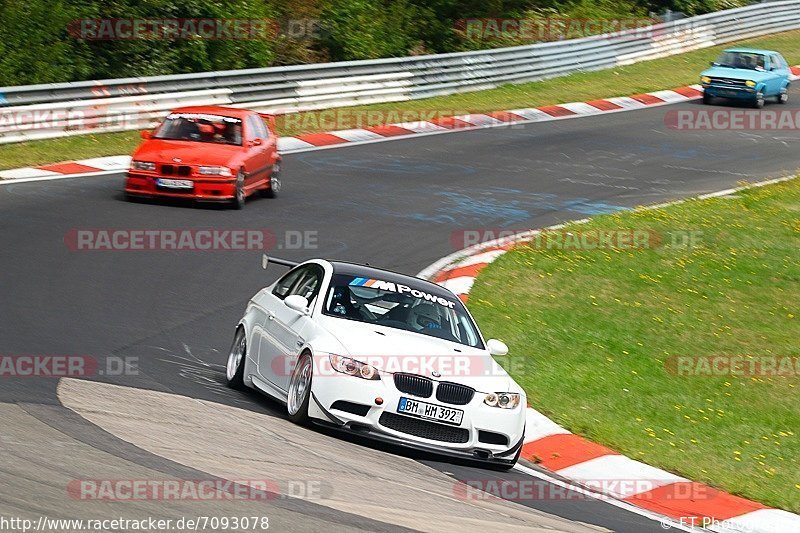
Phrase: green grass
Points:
(653, 75)
(591, 334)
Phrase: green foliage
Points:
(36, 45)
(365, 29)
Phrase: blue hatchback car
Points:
(747, 74)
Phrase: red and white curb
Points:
(97, 166)
(388, 132)
(331, 139)
(601, 469)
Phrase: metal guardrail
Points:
(62, 109)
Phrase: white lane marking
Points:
(761, 521)
(286, 144)
(460, 285)
(59, 177)
(356, 135)
(479, 119)
(632, 476)
(667, 523)
(626, 102)
(581, 108)
(114, 162)
(670, 96)
(422, 126)
(538, 426)
(534, 115)
(485, 257)
(26, 172)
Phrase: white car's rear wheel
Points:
(234, 371)
(300, 389)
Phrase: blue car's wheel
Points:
(759, 101)
(784, 96)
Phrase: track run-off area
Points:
(395, 205)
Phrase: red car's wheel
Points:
(239, 195)
(274, 181)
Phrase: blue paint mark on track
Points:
(507, 206)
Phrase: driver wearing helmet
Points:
(424, 316)
(341, 304)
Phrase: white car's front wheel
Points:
(234, 371)
(300, 389)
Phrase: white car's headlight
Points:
(503, 400)
(142, 165)
(351, 367)
(215, 171)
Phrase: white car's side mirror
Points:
(296, 302)
(496, 347)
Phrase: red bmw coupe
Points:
(207, 153)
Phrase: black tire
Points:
(234, 370)
(302, 400)
(239, 196)
(273, 191)
(707, 98)
(783, 97)
(759, 101)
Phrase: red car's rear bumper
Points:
(206, 189)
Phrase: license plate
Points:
(430, 411)
(175, 184)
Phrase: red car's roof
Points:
(214, 110)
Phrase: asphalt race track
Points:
(393, 204)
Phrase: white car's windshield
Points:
(400, 306)
(745, 60)
(200, 127)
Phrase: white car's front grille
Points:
(453, 393)
(415, 385)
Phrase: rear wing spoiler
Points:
(267, 260)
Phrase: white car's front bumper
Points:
(485, 433)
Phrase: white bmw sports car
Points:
(390, 356)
